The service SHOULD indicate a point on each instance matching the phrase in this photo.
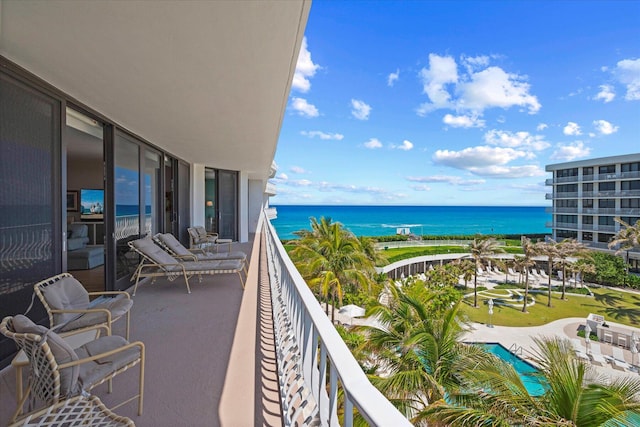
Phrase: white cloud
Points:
(349, 188)
(463, 121)
(393, 77)
(541, 127)
(420, 187)
(603, 127)
(568, 152)
(373, 143)
(304, 108)
(572, 128)
(299, 182)
(516, 140)
(360, 109)
(441, 72)
(406, 145)
(305, 68)
(487, 161)
(322, 135)
(475, 91)
(628, 73)
(606, 94)
(283, 176)
(297, 169)
(447, 179)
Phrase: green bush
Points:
(610, 269)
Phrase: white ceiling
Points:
(206, 80)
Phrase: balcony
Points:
(213, 356)
(270, 189)
(561, 195)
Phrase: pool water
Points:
(525, 369)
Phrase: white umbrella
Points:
(587, 334)
(352, 310)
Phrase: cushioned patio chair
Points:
(78, 411)
(68, 306)
(59, 372)
(156, 262)
(169, 243)
(200, 238)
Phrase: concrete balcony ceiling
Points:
(207, 81)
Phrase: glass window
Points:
(152, 181)
(587, 186)
(607, 186)
(630, 203)
(605, 220)
(127, 201)
(587, 219)
(607, 169)
(587, 203)
(606, 203)
(587, 171)
(630, 185)
(604, 237)
(631, 167)
(587, 237)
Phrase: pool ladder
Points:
(516, 349)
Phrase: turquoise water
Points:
(421, 220)
(526, 370)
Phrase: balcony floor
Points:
(209, 361)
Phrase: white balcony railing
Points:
(325, 362)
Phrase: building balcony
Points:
(606, 228)
(216, 356)
(271, 213)
(270, 189)
(557, 210)
(587, 178)
(273, 169)
(567, 225)
(559, 195)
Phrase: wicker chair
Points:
(58, 372)
(67, 304)
(169, 243)
(158, 263)
(78, 411)
(200, 238)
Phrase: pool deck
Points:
(563, 328)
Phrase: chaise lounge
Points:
(156, 262)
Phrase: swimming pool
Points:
(525, 369)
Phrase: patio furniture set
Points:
(78, 352)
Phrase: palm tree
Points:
(368, 247)
(550, 250)
(581, 267)
(566, 249)
(481, 248)
(467, 270)
(626, 239)
(526, 261)
(415, 348)
(493, 393)
(329, 258)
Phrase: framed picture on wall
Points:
(72, 201)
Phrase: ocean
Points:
(420, 220)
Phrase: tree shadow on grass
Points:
(608, 298)
(624, 314)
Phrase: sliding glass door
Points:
(31, 201)
(227, 204)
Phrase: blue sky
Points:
(456, 102)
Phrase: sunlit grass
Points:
(615, 306)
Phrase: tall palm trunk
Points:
(526, 291)
(564, 277)
(475, 290)
(549, 287)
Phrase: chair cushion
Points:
(61, 351)
(79, 230)
(201, 232)
(154, 252)
(93, 372)
(117, 306)
(229, 264)
(172, 243)
(65, 294)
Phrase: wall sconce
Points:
(209, 203)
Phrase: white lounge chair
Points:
(596, 355)
(618, 361)
(497, 270)
(577, 348)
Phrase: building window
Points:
(587, 237)
(607, 186)
(630, 203)
(631, 220)
(631, 167)
(567, 188)
(587, 203)
(567, 234)
(607, 169)
(568, 219)
(587, 219)
(605, 220)
(563, 173)
(606, 203)
(630, 185)
(587, 186)
(604, 237)
(567, 203)
(587, 171)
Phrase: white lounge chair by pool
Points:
(618, 362)
(596, 355)
(578, 349)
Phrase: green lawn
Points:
(397, 254)
(615, 306)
